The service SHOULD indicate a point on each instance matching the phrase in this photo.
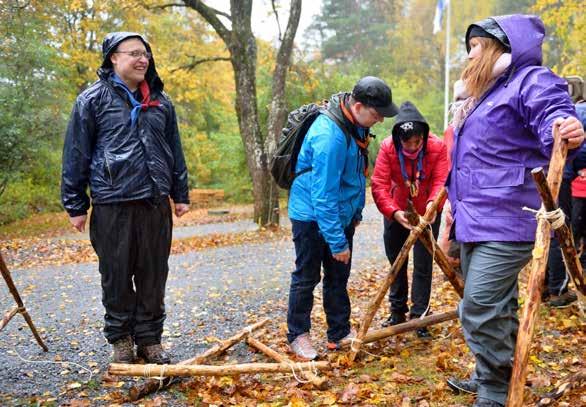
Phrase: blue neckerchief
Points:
(136, 105)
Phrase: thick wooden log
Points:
(150, 370)
(536, 278)
(392, 274)
(435, 250)
(8, 316)
(563, 234)
(319, 382)
(378, 334)
(139, 391)
(20, 305)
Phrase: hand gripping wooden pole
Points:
(536, 277)
(19, 308)
(392, 274)
(437, 253)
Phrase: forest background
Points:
(50, 50)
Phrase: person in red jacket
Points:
(412, 164)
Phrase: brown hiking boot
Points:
(154, 354)
(123, 350)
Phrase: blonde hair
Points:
(478, 74)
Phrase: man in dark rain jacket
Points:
(122, 141)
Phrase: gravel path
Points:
(209, 293)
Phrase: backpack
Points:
(284, 160)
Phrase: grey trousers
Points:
(488, 310)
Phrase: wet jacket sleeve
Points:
(77, 156)
(361, 203)
(180, 188)
(439, 172)
(329, 157)
(544, 98)
(381, 183)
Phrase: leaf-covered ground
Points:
(400, 371)
(403, 370)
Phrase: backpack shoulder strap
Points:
(341, 125)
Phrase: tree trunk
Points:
(241, 44)
(278, 110)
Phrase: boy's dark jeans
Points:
(312, 252)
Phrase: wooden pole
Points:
(377, 335)
(8, 316)
(536, 278)
(563, 233)
(20, 305)
(150, 370)
(138, 392)
(318, 382)
(435, 250)
(392, 274)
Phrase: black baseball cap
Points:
(374, 92)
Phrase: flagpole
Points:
(447, 68)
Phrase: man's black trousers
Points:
(133, 240)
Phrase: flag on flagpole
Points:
(439, 12)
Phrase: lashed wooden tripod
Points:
(19, 307)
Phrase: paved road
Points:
(210, 293)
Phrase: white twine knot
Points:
(556, 218)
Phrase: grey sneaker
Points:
(562, 301)
(336, 345)
(123, 350)
(153, 354)
(303, 348)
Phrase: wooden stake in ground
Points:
(392, 274)
(319, 382)
(19, 308)
(536, 278)
(563, 234)
(436, 252)
(412, 325)
(121, 369)
(138, 392)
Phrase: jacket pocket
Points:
(496, 192)
(113, 164)
(498, 177)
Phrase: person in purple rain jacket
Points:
(502, 131)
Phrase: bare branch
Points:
(277, 18)
(196, 62)
(164, 6)
(211, 16)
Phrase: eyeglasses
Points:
(136, 54)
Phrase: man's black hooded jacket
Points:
(121, 162)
